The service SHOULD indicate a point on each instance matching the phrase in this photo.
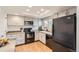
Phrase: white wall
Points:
(3, 21)
(77, 29)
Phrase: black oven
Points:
(29, 35)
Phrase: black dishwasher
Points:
(49, 41)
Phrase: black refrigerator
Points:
(64, 31)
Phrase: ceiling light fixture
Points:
(45, 12)
(30, 6)
(38, 12)
(27, 9)
(42, 9)
(16, 14)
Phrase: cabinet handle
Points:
(68, 17)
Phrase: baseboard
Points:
(19, 44)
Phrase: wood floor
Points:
(56, 47)
(33, 47)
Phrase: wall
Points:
(77, 30)
(3, 21)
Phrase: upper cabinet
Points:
(15, 20)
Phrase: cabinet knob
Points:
(68, 17)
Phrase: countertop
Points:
(46, 32)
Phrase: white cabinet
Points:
(42, 37)
(36, 35)
(15, 20)
(20, 38)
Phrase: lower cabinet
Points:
(20, 41)
(42, 37)
(36, 35)
(20, 38)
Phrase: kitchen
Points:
(32, 24)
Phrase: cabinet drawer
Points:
(20, 41)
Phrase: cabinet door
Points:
(36, 35)
(15, 20)
(20, 38)
(42, 37)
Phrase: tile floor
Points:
(10, 47)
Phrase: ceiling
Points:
(34, 11)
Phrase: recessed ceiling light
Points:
(38, 12)
(30, 6)
(45, 12)
(16, 14)
(42, 9)
(27, 9)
